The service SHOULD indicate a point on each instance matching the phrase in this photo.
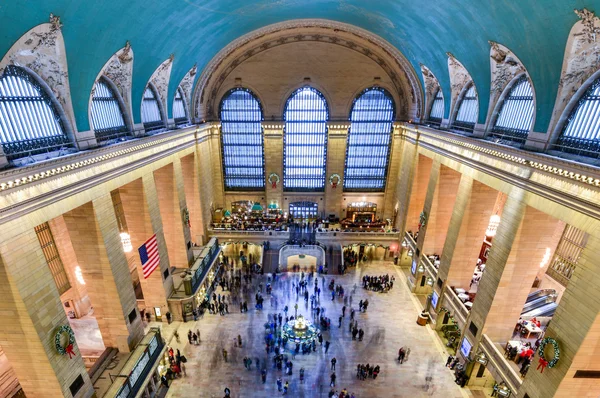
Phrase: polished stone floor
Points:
(389, 323)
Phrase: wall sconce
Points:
(493, 225)
(430, 281)
(126, 242)
(481, 358)
(404, 243)
(410, 253)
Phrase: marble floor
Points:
(389, 324)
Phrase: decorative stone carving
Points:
(42, 50)
(187, 83)
(119, 70)
(432, 85)
(581, 60)
(408, 84)
(160, 79)
(459, 78)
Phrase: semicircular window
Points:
(516, 114)
(242, 141)
(29, 122)
(179, 108)
(151, 114)
(581, 134)
(305, 141)
(107, 115)
(437, 108)
(468, 108)
(369, 138)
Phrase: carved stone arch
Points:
(460, 82)
(187, 84)
(432, 86)
(506, 68)
(41, 52)
(118, 72)
(499, 101)
(160, 81)
(581, 66)
(407, 86)
(367, 85)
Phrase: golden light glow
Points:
(126, 242)
(79, 275)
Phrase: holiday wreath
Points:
(556, 356)
(61, 348)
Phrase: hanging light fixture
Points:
(493, 225)
(126, 242)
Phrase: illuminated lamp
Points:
(126, 242)
(79, 275)
(493, 225)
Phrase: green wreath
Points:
(273, 179)
(68, 348)
(556, 357)
(332, 180)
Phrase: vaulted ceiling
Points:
(195, 30)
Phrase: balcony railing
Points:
(499, 366)
(457, 307)
(429, 267)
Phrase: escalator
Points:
(540, 303)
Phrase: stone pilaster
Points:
(32, 312)
(404, 185)
(336, 161)
(441, 210)
(418, 192)
(517, 250)
(171, 215)
(576, 327)
(189, 168)
(273, 141)
(97, 245)
(155, 289)
(428, 203)
(470, 217)
(181, 205)
(393, 171)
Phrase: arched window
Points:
(179, 108)
(467, 110)
(437, 107)
(516, 114)
(369, 139)
(305, 141)
(242, 141)
(29, 122)
(581, 134)
(151, 114)
(107, 115)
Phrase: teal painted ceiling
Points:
(195, 30)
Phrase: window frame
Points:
(20, 148)
(179, 121)
(346, 179)
(461, 125)
(508, 134)
(109, 133)
(155, 125)
(262, 138)
(325, 142)
(435, 120)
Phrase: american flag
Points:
(149, 256)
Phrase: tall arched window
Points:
(179, 108)
(305, 141)
(151, 114)
(29, 122)
(516, 114)
(107, 115)
(468, 108)
(437, 107)
(242, 141)
(369, 138)
(581, 134)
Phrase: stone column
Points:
(576, 328)
(406, 173)
(517, 250)
(189, 168)
(428, 203)
(97, 245)
(171, 215)
(182, 207)
(156, 288)
(273, 136)
(32, 311)
(438, 217)
(422, 176)
(392, 177)
(336, 162)
(213, 145)
(470, 217)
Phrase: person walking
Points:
(344, 311)
(327, 343)
(279, 384)
(225, 354)
(332, 377)
(340, 321)
(333, 362)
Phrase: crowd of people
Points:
(367, 371)
(382, 283)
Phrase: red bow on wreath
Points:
(334, 185)
(542, 364)
(274, 184)
(70, 351)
